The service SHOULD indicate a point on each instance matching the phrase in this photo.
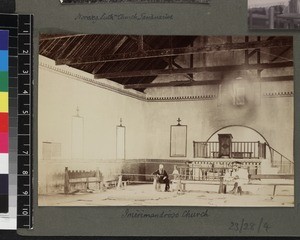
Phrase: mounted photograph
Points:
(134, 120)
(274, 14)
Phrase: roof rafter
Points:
(199, 83)
(168, 52)
(145, 73)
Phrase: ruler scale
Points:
(24, 213)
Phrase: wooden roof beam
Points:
(172, 84)
(147, 73)
(199, 83)
(168, 52)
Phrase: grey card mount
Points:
(92, 73)
(135, 1)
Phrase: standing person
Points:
(176, 179)
(162, 177)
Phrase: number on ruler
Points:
(25, 193)
(25, 71)
(25, 112)
(25, 172)
(25, 92)
(25, 152)
(25, 213)
(25, 51)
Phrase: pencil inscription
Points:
(141, 213)
(122, 16)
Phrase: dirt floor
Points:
(195, 195)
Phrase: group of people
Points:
(237, 175)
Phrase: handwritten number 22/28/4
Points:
(243, 226)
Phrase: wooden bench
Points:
(73, 178)
(253, 177)
(215, 182)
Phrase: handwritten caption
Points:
(124, 17)
(244, 226)
(140, 214)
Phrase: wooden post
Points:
(66, 187)
(271, 17)
(87, 184)
(97, 175)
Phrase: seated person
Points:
(239, 176)
(162, 177)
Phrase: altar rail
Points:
(239, 150)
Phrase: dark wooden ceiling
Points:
(135, 61)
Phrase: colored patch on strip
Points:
(3, 81)
(3, 163)
(4, 142)
(4, 203)
(4, 102)
(4, 34)
(4, 60)
(3, 184)
(3, 122)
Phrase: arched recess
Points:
(255, 135)
(243, 126)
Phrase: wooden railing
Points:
(239, 150)
(211, 170)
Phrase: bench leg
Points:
(274, 190)
(183, 187)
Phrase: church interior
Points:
(111, 108)
(274, 14)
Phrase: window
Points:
(239, 95)
(121, 142)
(178, 140)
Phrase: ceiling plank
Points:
(281, 54)
(278, 78)
(167, 52)
(115, 49)
(145, 73)
(45, 38)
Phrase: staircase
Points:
(280, 162)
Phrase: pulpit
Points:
(225, 145)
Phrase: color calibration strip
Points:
(4, 120)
